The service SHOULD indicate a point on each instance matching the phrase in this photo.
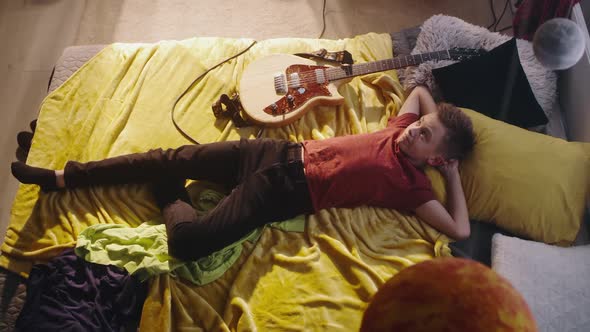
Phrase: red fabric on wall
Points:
(532, 13)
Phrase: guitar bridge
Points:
(280, 84)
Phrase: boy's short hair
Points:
(460, 138)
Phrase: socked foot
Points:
(24, 139)
(34, 175)
(21, 155)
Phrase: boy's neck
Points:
(417, 163)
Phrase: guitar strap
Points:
(226, 107)
(339, 57)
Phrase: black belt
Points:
(295, 163)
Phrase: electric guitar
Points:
(278, 89)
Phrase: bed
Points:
(314, 273)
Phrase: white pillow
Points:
(554, 281)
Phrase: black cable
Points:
(510, 26)
(323, 20)
(187, 136)
(502, 15)
(493, 14)
(498, 19)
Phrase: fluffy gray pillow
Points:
(441, 32)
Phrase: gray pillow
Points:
(441, 32)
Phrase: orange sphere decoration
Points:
(447, 294)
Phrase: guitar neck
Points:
(338, 73)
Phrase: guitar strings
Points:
(311, 77)
(429, 56)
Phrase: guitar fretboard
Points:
(337, 73)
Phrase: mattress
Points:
(12, 286)
(72, 58)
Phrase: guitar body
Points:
(264, 105)
(278, 89)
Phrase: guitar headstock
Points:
(459, 53)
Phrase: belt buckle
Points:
(293, 153)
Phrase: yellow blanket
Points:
(120, 102)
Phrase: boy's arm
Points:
(419, 102)
(454, 222)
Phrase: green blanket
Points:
(143, 250)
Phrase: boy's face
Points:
(422, 140)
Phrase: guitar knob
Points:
(274, 107)
(290, 99)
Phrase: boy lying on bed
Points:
(275, 180)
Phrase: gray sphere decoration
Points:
(559, 43)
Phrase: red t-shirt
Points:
(365, 169)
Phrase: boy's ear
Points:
(436, 161)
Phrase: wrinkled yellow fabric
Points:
(117, 103)
(320, 280)
(120, 102)
(324, 281)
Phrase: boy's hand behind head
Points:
(449, 168)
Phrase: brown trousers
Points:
(266, 175)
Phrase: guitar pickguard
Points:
(300, 91)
